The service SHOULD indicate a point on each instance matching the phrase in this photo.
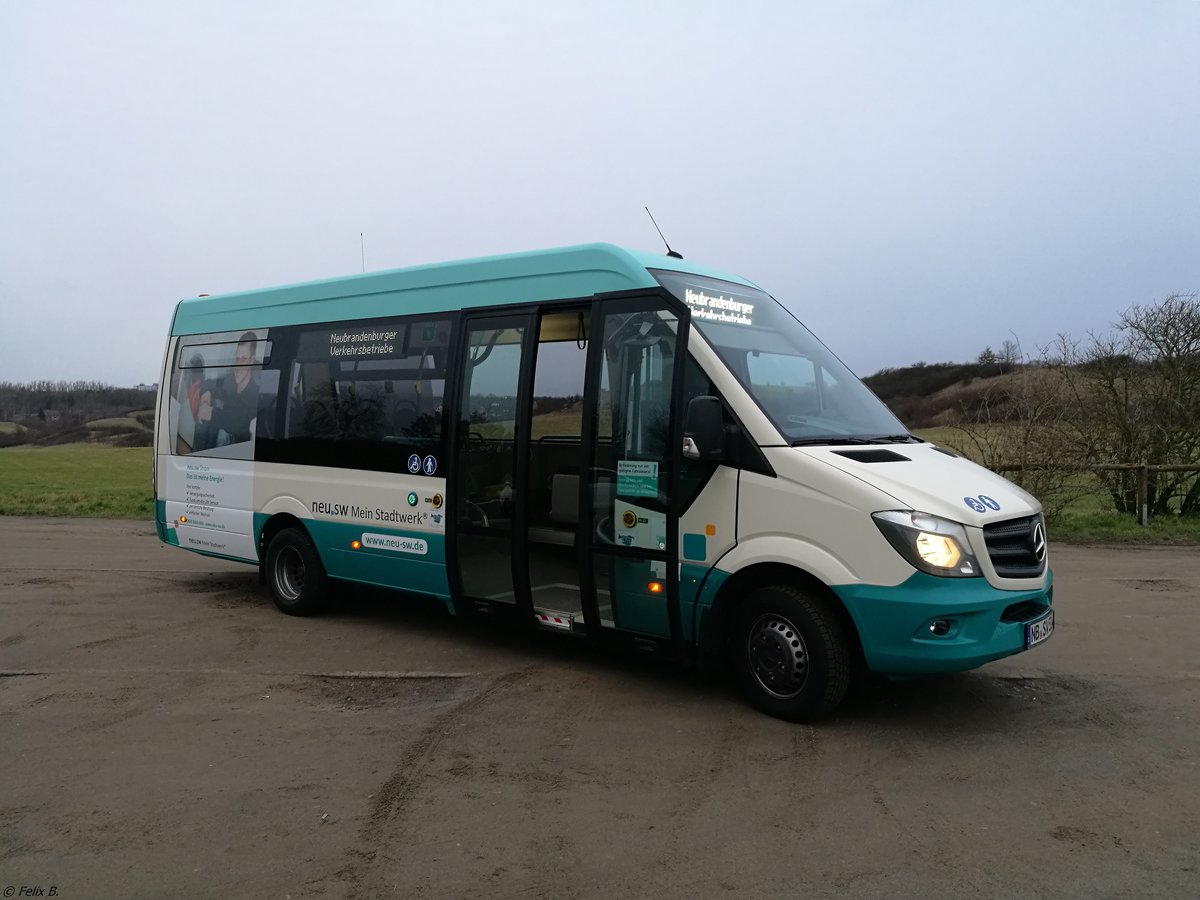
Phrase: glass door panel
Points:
(486, 456)
(634, 522)
(556, 461)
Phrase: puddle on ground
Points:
(373, 692)
(1158, 585)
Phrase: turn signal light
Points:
(655, 587)
(183, 518)
(354, 545)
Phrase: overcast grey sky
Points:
(915, 180)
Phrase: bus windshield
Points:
(806, 391)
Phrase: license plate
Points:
(1036, 632)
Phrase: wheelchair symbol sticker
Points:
(430, 465)
(982, 503)
(414, 464)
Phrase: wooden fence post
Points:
(1143, 495)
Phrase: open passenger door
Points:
(567, 457)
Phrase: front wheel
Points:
(295, 574)
(791, 654)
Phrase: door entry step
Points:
(554, 619)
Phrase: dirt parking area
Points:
(165, 732)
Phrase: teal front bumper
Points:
(982, 623)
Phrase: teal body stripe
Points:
(382, 568)
(160, 519)
(698, 587)
(893, 622)
(539, 276)
(418, 574)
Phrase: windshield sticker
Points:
(718, 308)
(637, 478)
(981, 503)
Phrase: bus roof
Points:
(540, 275)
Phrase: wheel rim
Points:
(777, 655)
(289, 574)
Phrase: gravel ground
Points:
(165, 732)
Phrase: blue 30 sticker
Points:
(982, 503)
(414, 464)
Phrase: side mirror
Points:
(704, 429)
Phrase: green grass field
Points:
(97, 481)
(87, 480)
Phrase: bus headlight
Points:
(930, 543)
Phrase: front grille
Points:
(1017, 547)
(1025, 611)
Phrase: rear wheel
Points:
(791, 653)
(295, 574)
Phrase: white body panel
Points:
(351, 495)
(816, 513)
(936, 483)
(208, 502)
(713, 514)
(815, 519)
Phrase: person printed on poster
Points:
(229, 406)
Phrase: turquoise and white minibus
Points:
(611, 444)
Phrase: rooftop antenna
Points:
(363, 248)
(670, 252)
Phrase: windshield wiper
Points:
(838, 441)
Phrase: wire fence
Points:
(1142, 470)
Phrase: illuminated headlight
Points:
(931, 544)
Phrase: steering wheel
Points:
(476, 515)
(603, 531)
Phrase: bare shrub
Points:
(1135, 399)
(1023, 420)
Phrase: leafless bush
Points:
(1135, 398)
(1024, 420)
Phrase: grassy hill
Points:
(133, 430)
(928, 395)
(55, 413)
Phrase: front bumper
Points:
(985, 623)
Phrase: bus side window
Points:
(364, 394)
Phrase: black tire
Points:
(791, 654)
(295, 574)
